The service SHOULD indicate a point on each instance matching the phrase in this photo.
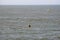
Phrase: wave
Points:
(50, 20)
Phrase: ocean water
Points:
(44, 21)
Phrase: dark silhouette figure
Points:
(29, 25)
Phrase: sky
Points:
(29, 2)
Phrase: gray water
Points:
(44, 21)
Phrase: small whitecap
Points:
(25, 17)
(8, 28)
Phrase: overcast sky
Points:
(29, 2)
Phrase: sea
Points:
(15, 21)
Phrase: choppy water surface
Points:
(45, 22)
